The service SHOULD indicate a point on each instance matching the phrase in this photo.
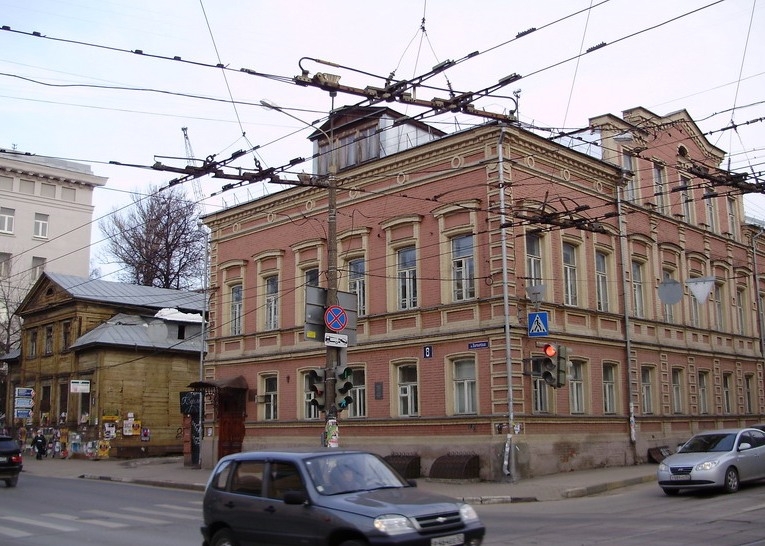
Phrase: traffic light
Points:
(548, 364)
(316, 384)
(343, 385)
(561, 367)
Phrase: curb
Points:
(603, 487)
(153, 483)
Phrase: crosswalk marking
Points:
(154, 512)
(100, 523)
(13, 533)
(173, 507)
(47, 525)
(121, 515)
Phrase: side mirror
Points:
(295, 497)
(744, 446)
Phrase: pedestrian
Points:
(40, 444)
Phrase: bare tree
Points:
(157, 240)
(10, 323)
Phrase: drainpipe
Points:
(757, 293)
(509, 464)
(627, 322)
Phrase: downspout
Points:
(627, 322)
(509, 464)
(757, 293)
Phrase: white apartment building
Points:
(46, 213)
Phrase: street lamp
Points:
(332, 353)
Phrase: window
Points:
(310, 410)
(749, 394)
(41, 225)
(272, 302)
(464, 386)
(66, 334)
(48, 349)
(38, 266)
(569, 274)
(312, 276)
(609, 388)
(359, 394)
(248, 478)
(732, 217)
(709, 198)
(638, 302)
(540, 395)
(236, 310)
(270, 398)
(658, 188)
(703, 393)
(677, 391)
(5, 265)
(717, 297)
(685, 198)
(669, 313)
(463, 268)
(533, 259)
(601, 281)
(6, 220)
(63, 402)
(628, 164)
(646, 389)
(407, 278)
(741, 316)
(727, 393)
(576, 387)
(408, 403)
(695, 311)
(357, 284)
(32, 348)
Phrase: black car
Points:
(329, 497)
(10, 461)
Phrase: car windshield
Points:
(705, 443)
(349, 472)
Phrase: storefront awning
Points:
(238, 382)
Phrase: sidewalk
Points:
(170, 472)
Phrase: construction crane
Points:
(196, 186)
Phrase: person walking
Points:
(40, 444)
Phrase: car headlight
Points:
(393, 524)
(663, 467)
(468, 513)
(709, 465)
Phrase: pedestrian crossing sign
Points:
(538, 324)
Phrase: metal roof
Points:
(83, 288)
(138, 332)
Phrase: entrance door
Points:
(231, 407)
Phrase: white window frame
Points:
(717, 298)
(540, 395)
(638, 300)
(669, 312)
(358, 408)
(677, 390)
(740, 314)
(5, 264)
(357, 284)
(749, 394)
(38, 266)
(310, 411)
(406, 263)
(271, 307)
(711, 206)
(628, 164)
(577, 400)
(463, 268)
(41, 225)
(533, 259)
(570, 296)
(703, 392)
(601, 281)
(686, 201)
(659, 187)
(236, 294)
(408, 392)
(465, 386)
(609, 389)
(7, 216)
(727, 388)
(270, 398)
(646, 389)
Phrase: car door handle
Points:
(270, 509)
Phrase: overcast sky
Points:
(80, 92)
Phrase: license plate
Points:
(680, 478)
(451, 540)
(3, 459)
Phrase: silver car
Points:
(715, 459)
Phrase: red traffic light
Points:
(550, 350)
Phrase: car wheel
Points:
(731, 480)
(670, 492)
(224, 537)
(11, 482)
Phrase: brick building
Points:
(450, 245)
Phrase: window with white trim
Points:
(727, 393)
(357, 284)
(659, 190)
(717, 299)
(638, 301)
(540, 396)
(463, 268)
(310, 410)
(686, 199)
(646, 389)
(38, 266)
(601, 280)
(408, 401)
(576, 387)
(272, 302)
(669, 313)
(609, 388)
(6, 219)
(464, 378)
(710, 197)
(533, 259)
(628, 164)
(359, 394)
(749, 394)
(740, 314)
(407, 277)
(270, 398)
(41, 225)
(677, 390)
(703, 392)
(5, 265)
(235, 319)
(569, 275)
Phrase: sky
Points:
(79, 91)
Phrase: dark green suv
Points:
(10, 461)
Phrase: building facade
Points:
(105, 364)
(454, 249)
